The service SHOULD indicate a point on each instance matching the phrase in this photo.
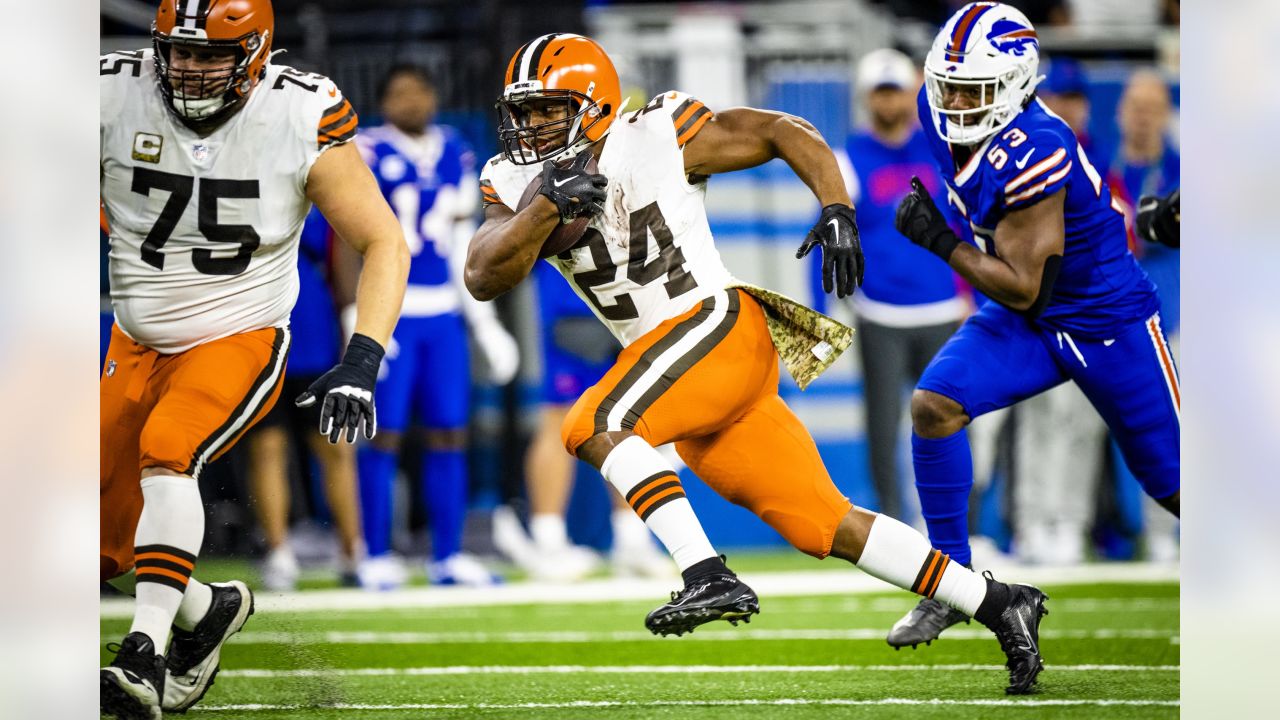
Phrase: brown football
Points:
(562, 237)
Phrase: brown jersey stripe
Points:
(179, 553)
(684, 112)
(336, 112)
(691, 126)
(937, 576)
(657, 501)
(342, 134)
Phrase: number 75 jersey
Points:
(204, 230)
(649, 256)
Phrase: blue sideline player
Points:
(1071, 303)
(427, 173)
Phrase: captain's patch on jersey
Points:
(146, 147)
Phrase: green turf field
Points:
(1111, 651)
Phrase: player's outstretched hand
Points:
(347, 392)
(842, 263)
(923, 223)
(575, 190)
(1160, 218)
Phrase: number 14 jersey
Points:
(649, 256)
(204, 230)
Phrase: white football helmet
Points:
(990, 46)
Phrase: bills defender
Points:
(1070, 301)
(699, 365)
(211, 158)
(427, 173)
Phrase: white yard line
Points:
(658, 670)
(767, 585)
(726, 635)
(694, 703)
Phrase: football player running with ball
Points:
(1069, 300)
(211, 158)
(700, 361)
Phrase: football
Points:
(564, 236)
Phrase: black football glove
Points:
(347, 390)
(923, 223)
(1160, 218)
(575, 191)
(842, 263)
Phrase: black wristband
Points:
(363, 352)
(943, 244)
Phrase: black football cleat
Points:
(923, 624)
(712, 597)
(1018, 630)
(193, 656)
(131, 687)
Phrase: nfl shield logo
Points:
(111, 368)
(200, 151)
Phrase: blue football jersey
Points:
(429, 183)
(1100, 286)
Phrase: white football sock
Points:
(650, 486)
(628, 530)
(548, 531)
(899, 555)
(170, 531)
(196, 602)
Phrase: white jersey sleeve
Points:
(204, 228)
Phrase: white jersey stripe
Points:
(1165, 358)
(257, 398)
(664, 361)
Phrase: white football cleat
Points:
(568, 563)
(384, 572)
(461, 569)
(280, 570)
(642, 560)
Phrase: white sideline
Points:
(692, 703)
(721, 633)
(769, 584)
(657, 670)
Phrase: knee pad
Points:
(162, 444)
(810, 535)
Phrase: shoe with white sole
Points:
(381, 573)
(567, 563)
(642, 560)
(131, 687)
(460, 569)
(280, 570)
(193, 658)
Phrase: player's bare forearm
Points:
(341, 185)
(1025, 240)
(506, 245)
(740, 138)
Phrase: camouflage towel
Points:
(807, 340)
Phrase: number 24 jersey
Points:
(650, 255)
(204, 230)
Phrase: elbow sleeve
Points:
(1049, 276)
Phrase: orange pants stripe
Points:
(179, 412)
(708, 381)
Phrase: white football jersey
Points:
(649, 256)
(204, 230)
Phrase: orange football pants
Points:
(179, 412)
(708, 381)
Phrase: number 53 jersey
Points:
(204, 229)
(649, 256)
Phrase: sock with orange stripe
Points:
(652, 488)
(899, 555)
(170, 531)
